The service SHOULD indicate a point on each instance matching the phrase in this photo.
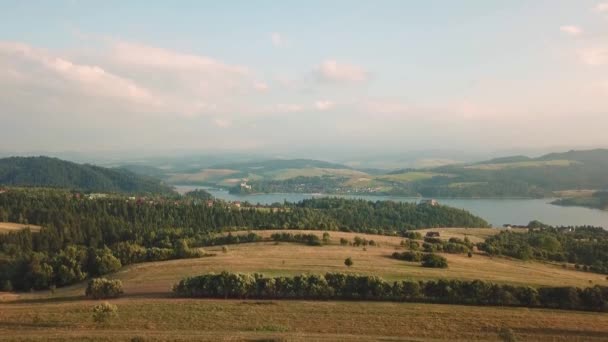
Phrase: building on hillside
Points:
(432, 234)
(2, 190)
(209, 203)
(237, 204)
(431, 202)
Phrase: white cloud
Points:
(324, 105)
(602, 7)
(276, 39)
(261, 86)
(140, 55)
(223, 123)
(45, 71)
(594, 56)
(571, 30)
(333, 71)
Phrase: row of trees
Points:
(308, 239)
(333, 286)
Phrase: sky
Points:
(287, 76)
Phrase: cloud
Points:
(602, 7)
(223, 123)
(140, 55)
(333, 71)
(276, 39)
(39, 69)
(324, 105)
(594, 56)
(571, 30)
(261, 86)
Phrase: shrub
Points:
(434, 261)
(224, 249)
(101, 288)
(104, 312)
(348, 262)
(408, 256)
(343, 241)
(507, 335)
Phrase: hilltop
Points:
(57, 173)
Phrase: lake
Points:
(495, 211)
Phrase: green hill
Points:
(53, 172)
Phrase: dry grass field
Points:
(235, 320)
(6, 227)
(147, 311)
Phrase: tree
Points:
(104, 312)
(326, 237)
(348, 262)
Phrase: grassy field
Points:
(146, 310)
(236, 320)
(6, 227)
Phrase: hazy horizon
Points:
(322, 79)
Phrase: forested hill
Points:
(53, 172)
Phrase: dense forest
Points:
(587, 247)
(83, 236)
(53, 172)
(333, 286)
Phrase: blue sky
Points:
(276, 75)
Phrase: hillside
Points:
(510, 176)
(57, 173)
(66, 314)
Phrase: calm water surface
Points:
(495, 211)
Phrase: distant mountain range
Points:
(513, 176)
(53, 172)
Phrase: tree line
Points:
(586, 246)
(339, 286)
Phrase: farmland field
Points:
(237, 320)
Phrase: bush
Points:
(434, 261)
(101, 288)
(224, 249)
(343, 241)
(408, 256)
(348, 262)
(104, 312)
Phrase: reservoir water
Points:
(495, 211)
